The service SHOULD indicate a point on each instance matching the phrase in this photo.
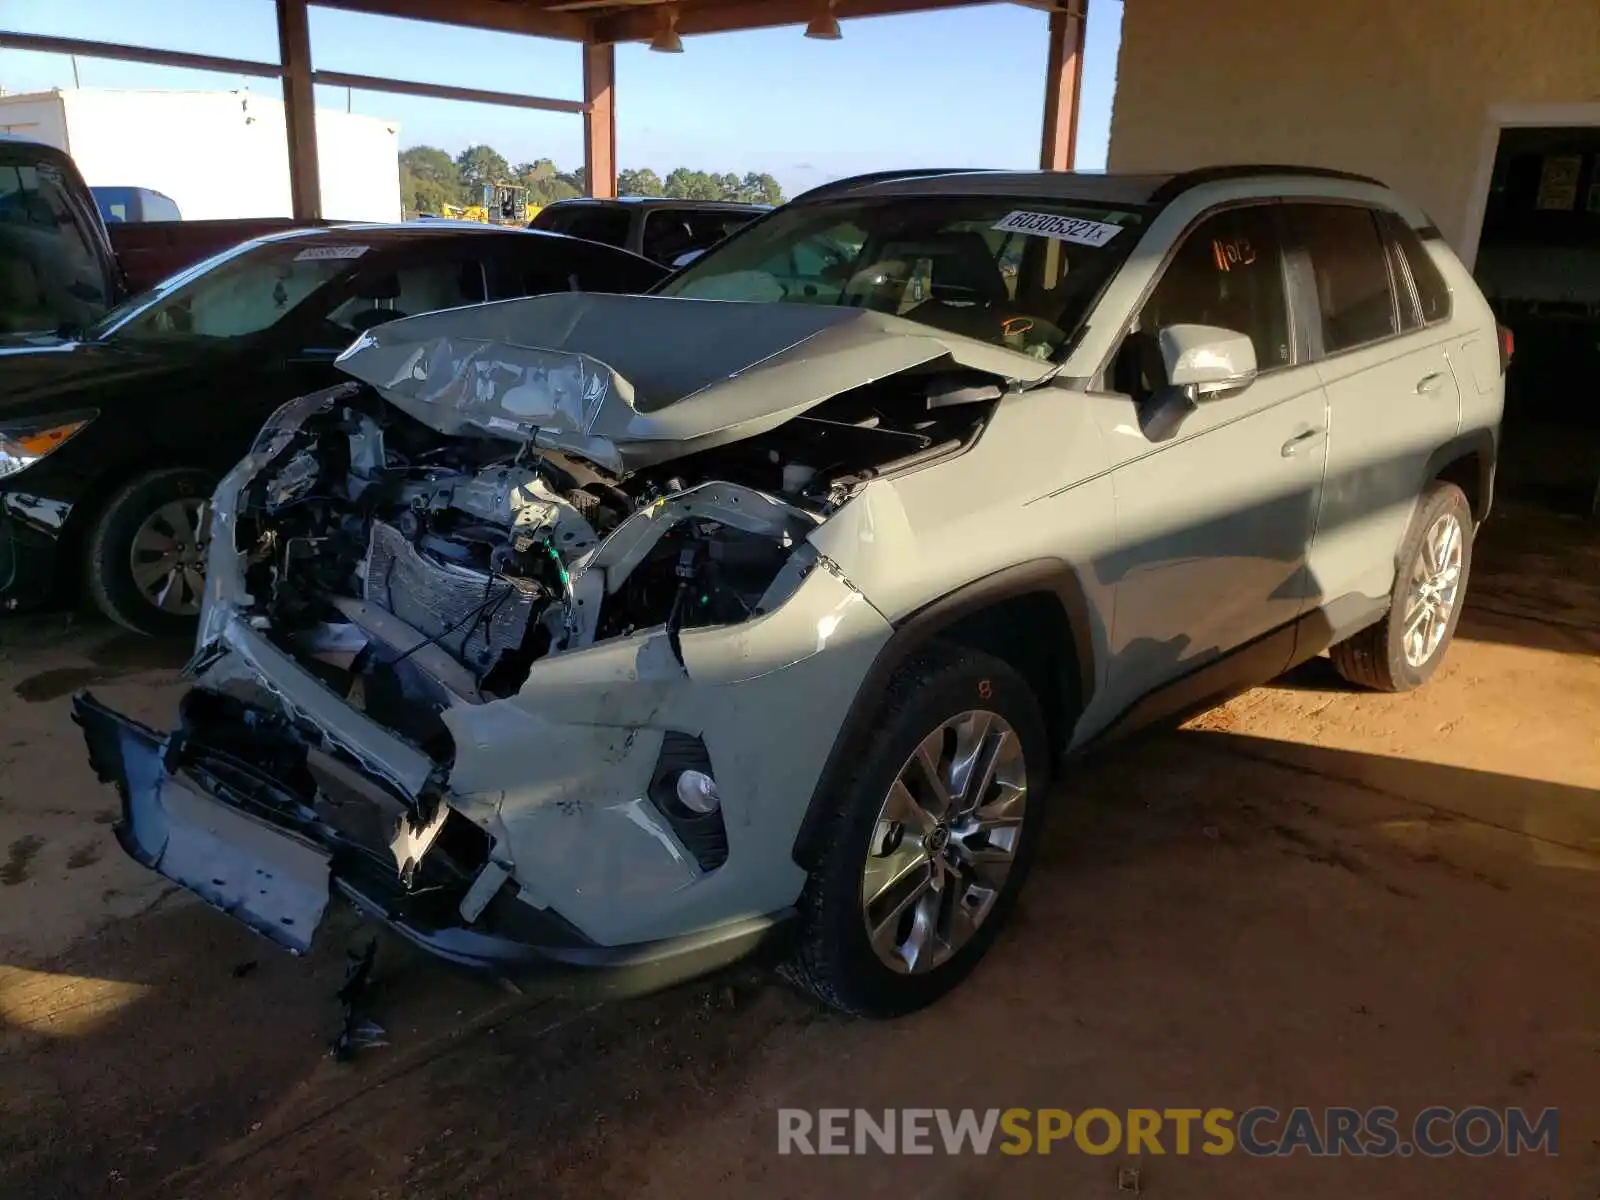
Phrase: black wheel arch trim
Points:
(1047, 576)
(1483, 442)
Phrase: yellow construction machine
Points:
(503, 204)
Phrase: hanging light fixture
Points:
(825, 25)
(667, 40)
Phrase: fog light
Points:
(697, 792)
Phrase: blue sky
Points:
(963, 87)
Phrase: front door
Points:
(1214, 521)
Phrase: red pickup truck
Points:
(61, 265)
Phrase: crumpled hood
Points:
(628, 381)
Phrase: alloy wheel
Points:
(1434, 588)
(168, 556)
(944, 842)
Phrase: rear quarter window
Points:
(1433, 294)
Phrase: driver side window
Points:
(1227, 273)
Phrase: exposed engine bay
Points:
(413, 571)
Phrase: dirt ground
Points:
(1309, 896)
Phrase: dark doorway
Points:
(1539, 264)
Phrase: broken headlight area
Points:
(412, 570)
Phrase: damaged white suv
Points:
(633, 632)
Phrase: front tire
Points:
(1402, 651)
(931, 839)
(146, 554)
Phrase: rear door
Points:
(1214, 520)
(1392, 397)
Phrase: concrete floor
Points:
(1309, 896)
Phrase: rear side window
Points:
(592, 222)
(1433, 294)
(1354, 289)
(160, 208)
(670, 233)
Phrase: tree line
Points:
(430, 179)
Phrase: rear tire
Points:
(146, 553)
(957, 872)
(1402, 651)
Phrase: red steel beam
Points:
(641, 22)
(299, 109)
(1063, 84)
(502, 16)
(600, 119)
(119, 52)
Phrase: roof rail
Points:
(1184, 180)
(851, 182)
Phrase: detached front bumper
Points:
(243, 838)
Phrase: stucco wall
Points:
(1400, 90)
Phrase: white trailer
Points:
(216, 154)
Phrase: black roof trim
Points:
(1183, 181)
(851, 182)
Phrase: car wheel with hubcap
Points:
(1403, 650)
(931, 838)
(147, 552)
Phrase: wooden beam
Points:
(299, 109)
(600, 119)
(498, 15)
(640, 22)
(440, 91)
(1063, 83)
(138, 54)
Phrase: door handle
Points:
(1431, 382)
(1304, 438)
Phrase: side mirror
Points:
(1205, 360)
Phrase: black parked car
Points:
(112, 437)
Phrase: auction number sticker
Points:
(1064, 229)
(323, 253)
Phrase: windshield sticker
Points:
(1063, 229)
(314, 253)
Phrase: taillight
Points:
(1508, 346)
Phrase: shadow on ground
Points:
(1295, 876)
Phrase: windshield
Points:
(1019, 273)
(240, 292)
